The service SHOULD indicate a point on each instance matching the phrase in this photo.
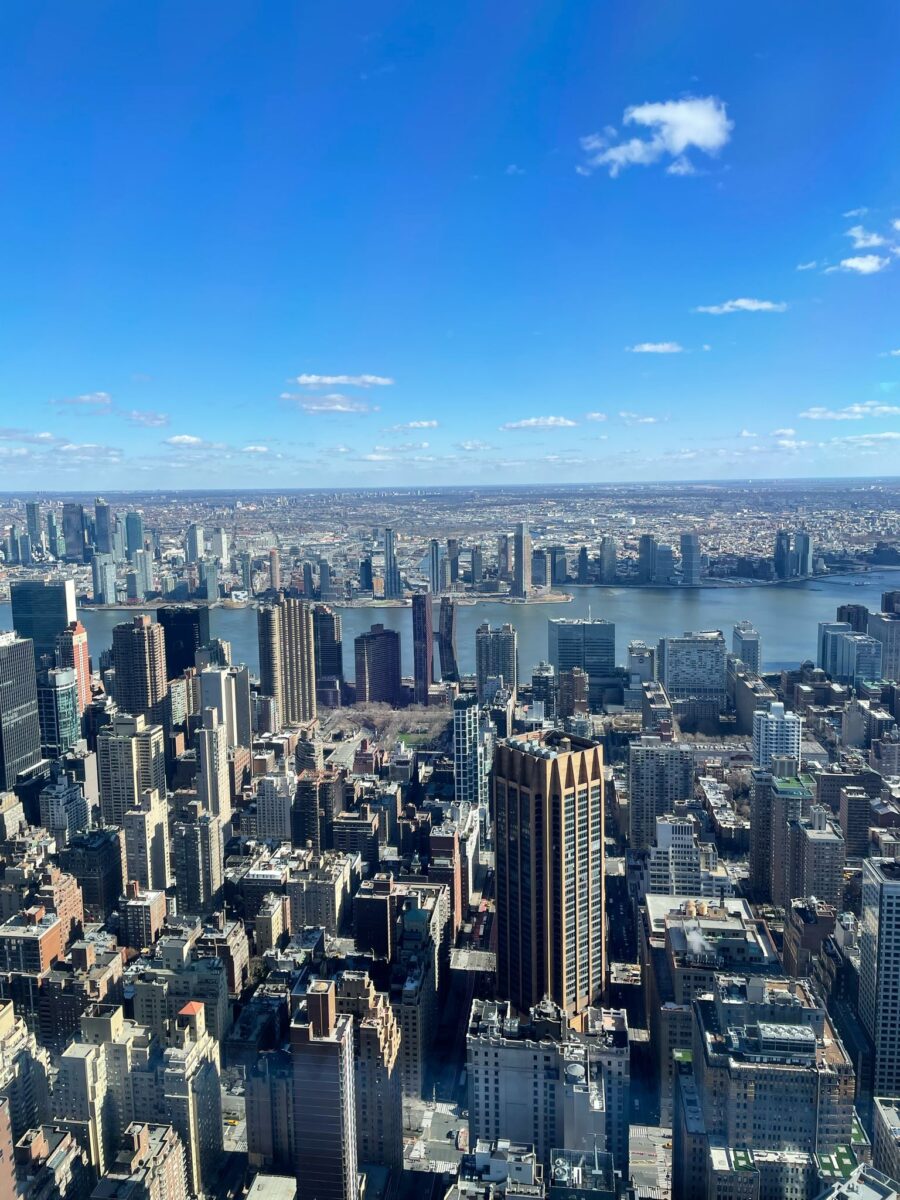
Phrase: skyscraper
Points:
(72, 651)
(274, 570)
(503, 571)
(324, 1108)
(130, 761)
(140, 662)
(74, 532)
(690, 559)
(423, 642)
(213, 778)
(659, 774)
(466, 750)
(41, 610)
(745, 644)
(783, 561)
(58, 713)
(879, 969)
(198, 858)
(548, 807)
(885, 626)
(103, 578)
(103, 526)
(693, 666)
(775, 732)
(586, 643)
(803, 554)
(392, 586)
(377, 655)
(522, 564)
(434, 565)
(608, 565)
(33, 523)
(646, 558)
(134, 534)
(20, 729)
(195, 543)
(186, 628)
(327, 632)
(453, 559)
(227, 690)
(447, 640)
(287, 658)
(496, 657)
(854, 615)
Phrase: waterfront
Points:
(786, 617)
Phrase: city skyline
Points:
(360, 248)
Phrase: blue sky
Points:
(383, 242)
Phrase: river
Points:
(786, 617)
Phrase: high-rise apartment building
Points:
(745, 645)
(434, 566)
(885, 626)
(103, 526)
(775, 732)
(287, 659)
(693, 666)
(146, 826)
(197, 853)
(324, 1098)
(74, 532)
(214, 776)
(467, 770)
(327, 633)
(134, 534)
(588, 643)
(377, 655)
(496, 658)
(227, 690)
(72, 652)
(186, 629)
(447, 640)
(548, 811)
(659, 774)
(521, 561)
(103, 578)
(149, 1163)
(783, 560)
(393, 588)
(423, 643)
(41, 610)
(140, 662)
(20, 728)
(854, 615)
(376, 1057)
(60, 720)
(690, 559)
(195, 543)
(879, 969)
(192, 1097)
(130, 761)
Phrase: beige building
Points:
(149, 1163)
(193, 1097)
(131, 761)
(287, 659)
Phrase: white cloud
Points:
(895, 224)
(149, 420)
(863, 441)
(864, 239)
(852, 412)
(411, 425)
(675, 126)
(256, 450)
(473, 445)
(595, 416)
(807, 266)
(334, 402)
(362, 381)
(633, 418)
(745, 433)
(89, 400)
(540, 423)
(855, 212)
(742, 305)
(892, 354)
(513, 169)
(791, 445)
(655, 348)
(184, 439)
(783, 433)
(862, 264)
(25, 435)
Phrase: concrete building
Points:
(879, 969)
(287, 659)
(679, 865)
(214, 776)
(589, 644)
(20, 728)
(745, 645)
(423, 646)
(131, 761)
(885, 627)
(659, 774)
(521, 585)
(149, 1164)
(193, 1098)
(548, 792)
(197, 853)
(692, 667)
(496, 660)
(140, 661)
(24, 1073)
(146, 828)
(776, 732)
(377, 657)
(41, 610)
(886, 1135)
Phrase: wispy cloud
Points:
(514, 169)
(149, 420)
(185, 439)
(255, 450)
(864, 441)
(891, 354)
(674, 126)
(807, 266)
(98, 400)
(473, 445)
(861, 264)
(361, 381)
(334, 402)
(746, 433)
(633, 418)
(595, 416)
(784, 433)
(854, 212)
(852, 412)
(25, 435)
(864, 239)
(541, 423)
(655, 348)
(411, 425)
(743, 304)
